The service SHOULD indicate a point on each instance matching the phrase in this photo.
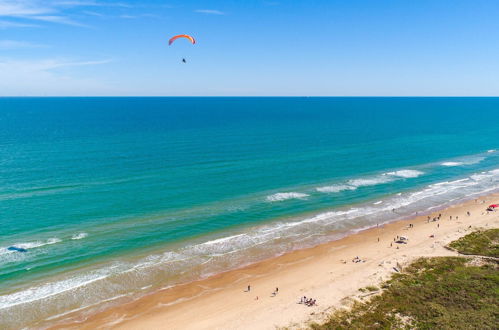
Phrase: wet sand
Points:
(325, 273)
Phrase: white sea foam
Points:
(491, 150)
(53, 240)
(79, 236)
(452, 163)
(286, 195)
(471, 160)
(406, 173)
(335, 188)
(381, 179)
(46, 290)
(378, 202)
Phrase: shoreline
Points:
(324, 272)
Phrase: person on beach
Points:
(249, 288)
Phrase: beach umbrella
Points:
(494, 205)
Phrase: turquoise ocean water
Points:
(117, 197)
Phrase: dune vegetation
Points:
(434, 293)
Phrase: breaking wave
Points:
(335, 188)
(406, 173)
(384, 178)
(79, 236)
(286, 195)
(464, 161)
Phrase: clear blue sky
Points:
(251, 47)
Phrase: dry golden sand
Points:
(220, 302)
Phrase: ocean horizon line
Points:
(262, 96)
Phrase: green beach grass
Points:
(434, 293)
(482, 242)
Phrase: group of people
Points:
(450, 217)
(309, 302)
(435, 218)
(357, 259)
(276, 291)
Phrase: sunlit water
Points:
(115, 197)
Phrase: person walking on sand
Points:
(249, 288)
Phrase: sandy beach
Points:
(326, 273)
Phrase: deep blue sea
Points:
(116, 197)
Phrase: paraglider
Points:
(186, 36)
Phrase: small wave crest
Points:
(79, 236)
(406, 173)
(463, 161)
(383, 178)
(451, 163)
(370, 181)
(335, 188)
(285, 196)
